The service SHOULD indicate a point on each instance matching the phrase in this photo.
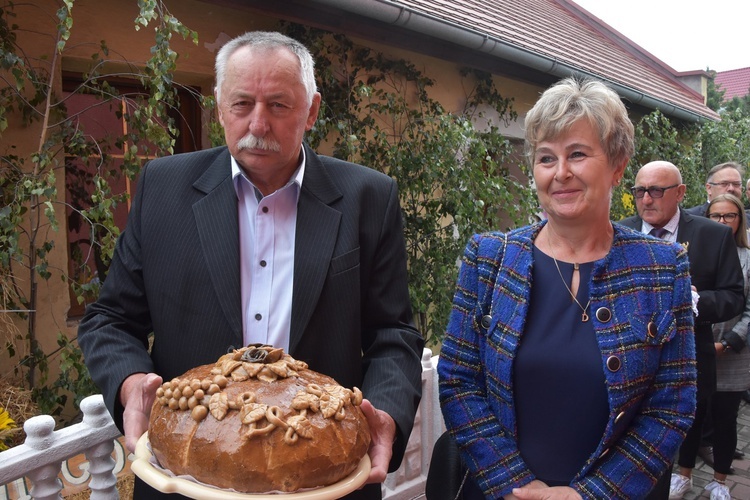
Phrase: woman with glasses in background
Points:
(732, 355)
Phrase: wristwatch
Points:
(725, 344)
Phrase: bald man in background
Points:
(716, 276)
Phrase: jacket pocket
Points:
(656, 328)
(344, 262)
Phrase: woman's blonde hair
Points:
(740, 237)
(570, 100)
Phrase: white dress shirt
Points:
(671, 227)
(267, 234)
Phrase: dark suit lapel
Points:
(685, 228)
(633, 222)
(685, 234)
(218, 228)
(317, 229)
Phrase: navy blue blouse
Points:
(559, 386)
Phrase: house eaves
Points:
(555, 37)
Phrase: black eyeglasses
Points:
(726, 184)
(653, 192)
(728, 217)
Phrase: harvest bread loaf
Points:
(258, 421)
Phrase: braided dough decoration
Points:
(258, 421)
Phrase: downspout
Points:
(392, 13)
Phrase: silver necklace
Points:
(584, 315)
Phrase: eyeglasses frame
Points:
(648, 190)
(726, 184)
(718, 217)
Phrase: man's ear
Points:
(681, 192)
(312, 114)
(219, 114)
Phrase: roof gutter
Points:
(392, 13)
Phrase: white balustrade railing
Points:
(41, 457)
(409, 480)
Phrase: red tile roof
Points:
(735, 82)
(562, 31)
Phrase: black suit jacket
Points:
(175, 272)
(697, 210)
(716, 273)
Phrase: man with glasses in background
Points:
(717, 282)
(724, 178)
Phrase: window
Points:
(104, 124)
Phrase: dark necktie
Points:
(659, 232)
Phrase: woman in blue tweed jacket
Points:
(568, 366)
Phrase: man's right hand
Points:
(137, 395)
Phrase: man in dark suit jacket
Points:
(724, 178)
(206, 228)
(715, 274)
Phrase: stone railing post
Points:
(41, 456)
(101, 464)
(40, 437)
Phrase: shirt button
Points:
(258, 317)
(265, 210)
(262, 263)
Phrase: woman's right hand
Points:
(538, 490)
(535, 484)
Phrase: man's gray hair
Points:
(721, 166)
(268, 40)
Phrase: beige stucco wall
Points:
(451, 89)
(22, 139)
(112, 20)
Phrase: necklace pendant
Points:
(584, 317)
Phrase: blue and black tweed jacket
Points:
(647, 352)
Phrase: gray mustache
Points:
(252, 142)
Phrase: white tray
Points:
(144, 469)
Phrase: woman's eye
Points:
(545, 159)
(578, 154)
